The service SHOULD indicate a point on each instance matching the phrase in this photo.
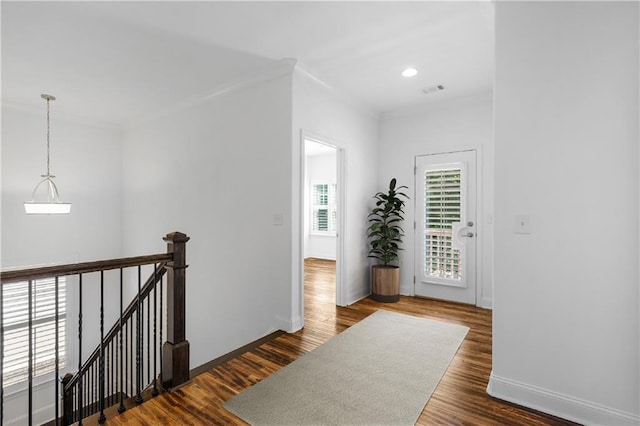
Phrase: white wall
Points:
(565, 329)
(219, 171)
(319, 109)
(86, 161)
(318, 168)
(455, 125)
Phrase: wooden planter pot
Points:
(385, 283)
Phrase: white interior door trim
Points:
(341, 291)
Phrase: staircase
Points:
(132, 362)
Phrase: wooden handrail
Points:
(81, 268)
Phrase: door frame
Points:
(341, 290)
(480, 219)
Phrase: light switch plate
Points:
(522, 224)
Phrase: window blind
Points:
(442, 209)
(15, 300)
(324, 207)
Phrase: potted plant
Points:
(385, 235)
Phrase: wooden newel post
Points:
(67, 400)
(175, 351)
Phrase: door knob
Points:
(468, 235)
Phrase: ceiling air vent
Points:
(432, 89)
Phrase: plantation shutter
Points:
(324, 218)
(321, 204)
(15, 299)
(442, 211)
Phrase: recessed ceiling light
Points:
(409, 72)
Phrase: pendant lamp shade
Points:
(45, 198)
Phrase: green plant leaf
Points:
(384, 231)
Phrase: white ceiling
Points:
(118, 61)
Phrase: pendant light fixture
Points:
(49, 203)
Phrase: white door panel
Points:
(445, 229)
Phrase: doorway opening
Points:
(321, 217)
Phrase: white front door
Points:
(445, 228)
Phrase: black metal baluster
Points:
(148, 338)
(86, 389)
(121, 408)
(113, 379)
(95, 387)
(85, 392)
(112, 374)
(108, 374)
(131, 359)
(30, 374)
(80, 389)
(91, 399)
(155, 316)
(141, 306)
(57, 370)
(107, 377)
(138, 343)
(126, 361)
(131, 366)
(1, 354)
(161, 316)
(102, 417)
(90, 409)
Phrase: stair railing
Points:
(121, 366)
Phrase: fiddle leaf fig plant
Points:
(384, 231)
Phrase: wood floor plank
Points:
(459, 399)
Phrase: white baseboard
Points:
(288, 325)
(557, 404)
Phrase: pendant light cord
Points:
(48, 100)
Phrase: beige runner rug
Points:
(380, 371)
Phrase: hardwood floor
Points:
(459, 399)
